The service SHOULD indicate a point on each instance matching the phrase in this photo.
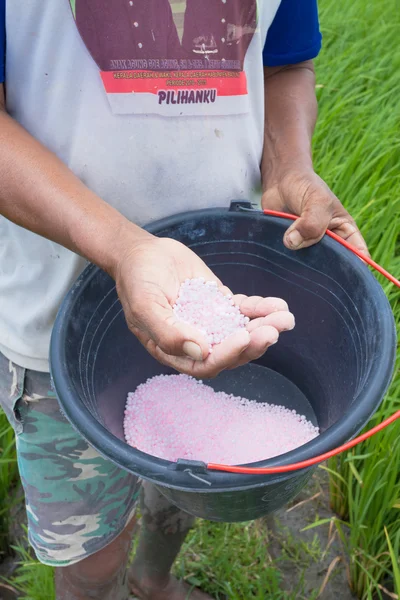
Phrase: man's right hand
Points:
(148, 275)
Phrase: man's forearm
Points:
(290, 116)
(38, 192)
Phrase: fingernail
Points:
(294, 239)
(292, 326)
(193, 351)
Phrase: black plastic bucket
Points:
(335, 365)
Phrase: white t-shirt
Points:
(157, 110)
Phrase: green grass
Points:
(8, 477)
(33, 581)
(231, 561)
(357, 151)
(228, 561)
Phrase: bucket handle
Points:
(361, 438)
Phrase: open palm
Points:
(148, 279)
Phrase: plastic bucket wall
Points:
(340, 356)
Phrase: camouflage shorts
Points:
(76, 501)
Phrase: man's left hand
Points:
(302, 192)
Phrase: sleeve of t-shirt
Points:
(2, 39)
(294, 35)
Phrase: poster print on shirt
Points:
(170, 57)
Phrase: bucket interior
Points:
(334, 367)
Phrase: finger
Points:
(357, 240)
(261, 338)
(311, 226)
(264, 332)
(238, 299)
(257, 306)
(281, 321)
(348, 230)
(224, 356)
(179, 363)
(158, 323)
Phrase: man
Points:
(77, 182)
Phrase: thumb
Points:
(310, 227)
(174, 337)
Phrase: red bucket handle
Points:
(361, 438)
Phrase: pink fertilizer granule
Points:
(200, 303)
(177, 416)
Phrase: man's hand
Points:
(289, 181)
(302, 192)
(148, 277)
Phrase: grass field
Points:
(357, 151)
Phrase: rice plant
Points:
(33, 581)
(357, 151)
(8, 477)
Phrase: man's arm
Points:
(289, 181)
(38, 192)
(290, 116)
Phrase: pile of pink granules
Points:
(177, 416)
(200, 303)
